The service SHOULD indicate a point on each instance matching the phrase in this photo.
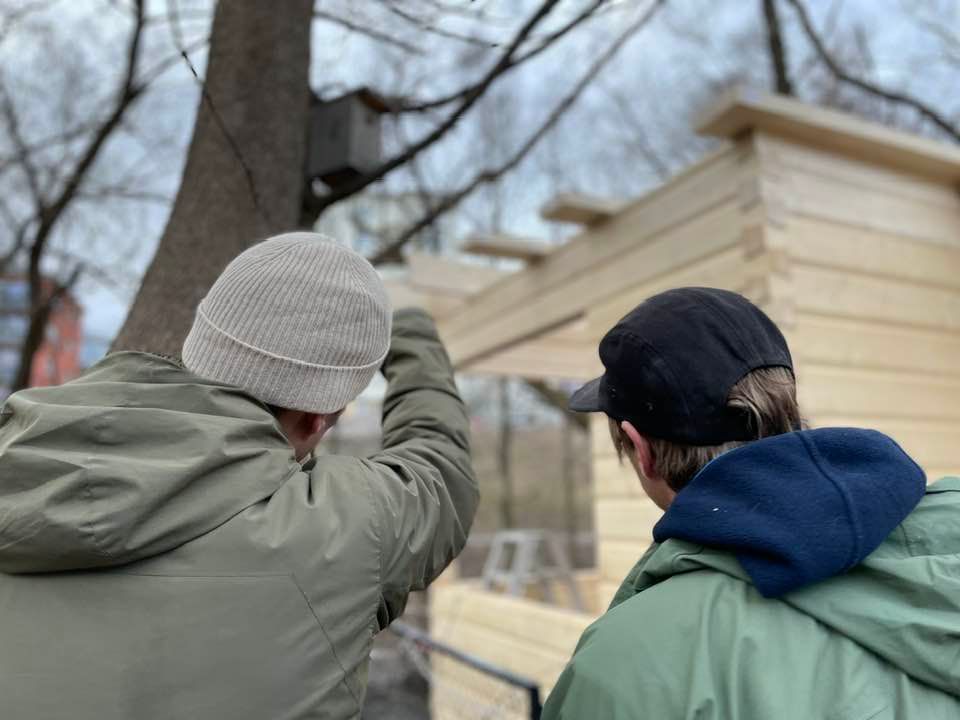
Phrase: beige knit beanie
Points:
(298, 321)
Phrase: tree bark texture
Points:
(243, 178)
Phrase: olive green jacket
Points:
(688, 637)
(165, 556)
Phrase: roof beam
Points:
(436, 274)
(743, 111)
(580, 209)
(506, 246)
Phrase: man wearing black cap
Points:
(795, 573)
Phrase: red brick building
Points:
(58, 358)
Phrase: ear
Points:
(313, 424)
(641, 449)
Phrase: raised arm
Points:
(424, 488)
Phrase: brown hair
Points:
(768, 396)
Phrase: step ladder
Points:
(519, 559)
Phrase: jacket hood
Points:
(133, 459)
(800, 507)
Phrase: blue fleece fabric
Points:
(798, 508)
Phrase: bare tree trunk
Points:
(778, 51)
(569, 475)
(244, 173)
(504, 446)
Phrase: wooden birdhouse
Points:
(344, 137)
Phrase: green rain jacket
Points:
(165, 556)
(689, 636)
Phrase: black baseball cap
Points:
(671, 363)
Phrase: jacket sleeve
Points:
(423, 489)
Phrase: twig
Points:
(426, 26)
(391, 252)
(22, 152)
(370, 32)
(869, 87)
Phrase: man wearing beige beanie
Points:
(170, 549)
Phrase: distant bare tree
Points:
(51, 153)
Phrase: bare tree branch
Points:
(148, 76)
(867, 86)
(26, 150)
(428, 27)
(368, 31)
(638, 137)
(19, 240)
(50, 213)
(22, 154)
(402, 106)
(391, 252)
(123, 193)
(477, 91)
(777, 49)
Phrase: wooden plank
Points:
(869, 252)
(457, 691)
(568, 352)
(728, 269)
(836, 201)
(932, 444)
(935, 473)
(825, 391)
(613, 479)
(540, 359)
(837, 293)
(577, 331)
(823, 340)
(545, 295)
(625, 519)
(616, 558)
(402, 295)
(601, 445)
(744, 110)
(507, 246)
(605, 592)
(785, 157)
(438, 274)
(550, 626)
(580, 209)
(524, 657)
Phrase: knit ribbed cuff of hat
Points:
(280, 381)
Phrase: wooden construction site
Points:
(846, 233)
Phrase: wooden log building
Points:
(845, 232)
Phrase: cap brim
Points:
(587, 398)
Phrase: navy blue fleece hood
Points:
(800, 507)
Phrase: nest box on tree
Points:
(344, 137)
